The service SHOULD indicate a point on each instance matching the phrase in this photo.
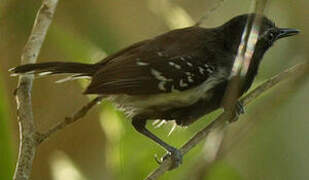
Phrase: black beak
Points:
(286, 32)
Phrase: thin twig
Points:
(225, 118)
(68, 120)
(27, 144)
(173, 15)
(209, 12)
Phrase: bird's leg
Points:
(140, 123)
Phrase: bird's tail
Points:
(75, 70)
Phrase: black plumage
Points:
(180, 75)
(133, 72)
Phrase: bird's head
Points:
(268, 32)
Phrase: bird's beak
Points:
(286, 32)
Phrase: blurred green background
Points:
(270, 142)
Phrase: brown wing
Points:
(161, 65)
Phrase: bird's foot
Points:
(175, 155)
(239, 109)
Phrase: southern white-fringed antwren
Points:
(180, 75)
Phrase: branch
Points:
(173, 15)
(224, 117)
(68, 120)
(27, 144)
(209, 12)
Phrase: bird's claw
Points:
(239, 108)
(174, 154)
(176, 157)
(159, 161)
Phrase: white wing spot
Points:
(189, 64)
(140, 63)
(160, 54)
(209, 70)
(201, 70)
(182, 84)
(173, 89)
(174, 65)
(190, 79)
(177, 66)
(188, 73)
(161, 85)
(159, 76)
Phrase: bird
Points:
(179, 75)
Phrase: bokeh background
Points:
(269, 142)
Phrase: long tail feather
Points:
(50, 68)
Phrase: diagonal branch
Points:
(224, 118)
(68, 120)
(209, 12)
(172, 14)
(27, 144)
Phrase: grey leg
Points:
(139, 124)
